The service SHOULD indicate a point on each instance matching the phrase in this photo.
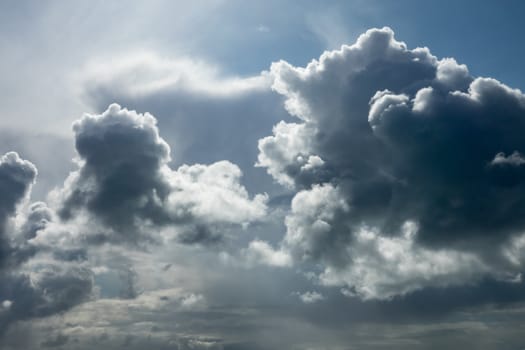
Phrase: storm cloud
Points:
(409, 170)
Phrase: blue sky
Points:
(475, 32)
(237, 175)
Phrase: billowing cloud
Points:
(123, 190)
(408, 170)
(124, 181)
(260, 252)
(37, 219)
(394, 178)
(28, 287)
(16, 177)
(121, 174)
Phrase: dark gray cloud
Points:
(409, 170)
(124, 181)
(58, 341)
(449, 149)
(16, 177)
(48, 290)
(121, 176)
(125, 186)
(45, 288)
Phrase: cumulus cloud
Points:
(120, 176)
(16, 178)
(261, 252)
(385, 267)
(37, 219)
(123, 190)
(31, 287)
(124, 181)
(58, 341)
(406, 173)
(388, 138)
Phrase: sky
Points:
(234, 175)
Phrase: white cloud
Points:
(310, 297)
(144, 73)
(260, 252)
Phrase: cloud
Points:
(121, 174)
(260, 252)
(16, 177)
(145, 73)
(385, 267)
(50, 289)
(384, 200)
(309, 297)
(124, 181)
(205, 114)
(37, 219)
(58, 341)
(123, 186)
(50, 153)
(31, 287)
(191, 301)
(390, 138)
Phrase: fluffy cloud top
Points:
(389, 137)
(120, 176)
(124, 180)
(16, 177)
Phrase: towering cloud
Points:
(124, 181)
(16, 177)
(49, 287)
(121, 175)
(409, 170)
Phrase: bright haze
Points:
(262, 175)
